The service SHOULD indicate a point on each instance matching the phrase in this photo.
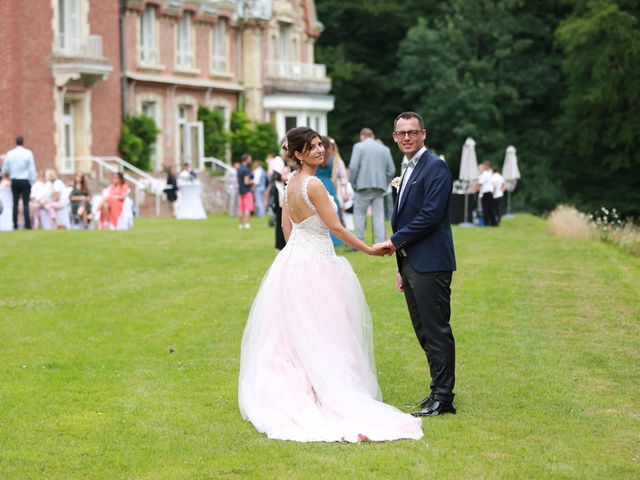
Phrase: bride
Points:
(307, 371)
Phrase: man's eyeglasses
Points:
(412, 134)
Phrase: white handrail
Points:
(147, 182)
(112, 169)
(150, 179)
(218, 162)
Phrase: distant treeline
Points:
(559, 80)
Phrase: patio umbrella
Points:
(468, 173)
(511, 174)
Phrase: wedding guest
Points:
(271, 157)
(112, 206)
(187, 174)
(245, 189)
(38, 197)
(328, 177)
(484, 186)
(80, 201)
(20, 164)
(231, 189)
(371, 169)
(171, 189)
(339, 175)
(6, 203)
(279, 176)
(499, 186)
(6, 180)
(260, 182)
(54, 201)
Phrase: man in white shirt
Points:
(485, 187)
(21, 166)
(499, 186)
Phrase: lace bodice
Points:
(311, 236)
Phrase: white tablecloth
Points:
(6, 218)
(189, 205)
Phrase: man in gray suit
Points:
(371, 169)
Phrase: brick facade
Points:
(26, 79)
(106, 108)
(63, 89)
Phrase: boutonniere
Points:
(395, 183)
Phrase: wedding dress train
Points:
(307, 371)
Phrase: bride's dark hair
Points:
(298, 140)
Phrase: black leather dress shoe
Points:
(426, 401)
(422, 404)
(435, 408)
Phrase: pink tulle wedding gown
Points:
(307, 371)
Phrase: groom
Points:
(423, 244)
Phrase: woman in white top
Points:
(55, 201)
(38, 197)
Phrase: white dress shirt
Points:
(20, 164)
(498, 184)
(486, 185)
(410, 167)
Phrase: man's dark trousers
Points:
(21, 188)
(487, 210)
(430, 312)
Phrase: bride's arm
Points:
(324, 206)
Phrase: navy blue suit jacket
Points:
(422, 221)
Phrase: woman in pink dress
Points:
(113, 204)
(307, 371)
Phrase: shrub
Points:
(258, 139)
(566, 221)
(215, 136)
(604, 225)
(138, 137)
(240, 134)
(609, 227)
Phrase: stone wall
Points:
(214, 197)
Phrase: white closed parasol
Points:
(511, 174)
(468, 174)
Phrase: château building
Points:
(74, 68)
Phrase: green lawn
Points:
(547, 334)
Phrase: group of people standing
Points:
(490, 186)
(45, 191)
(362, 188)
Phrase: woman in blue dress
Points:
(327, 173)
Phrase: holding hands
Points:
(384, 248)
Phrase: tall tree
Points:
(488, 70)
(601, 119)
(359, 48)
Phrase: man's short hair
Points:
(19, 140)
(366, 132)
(408, 116)
(245, 157)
